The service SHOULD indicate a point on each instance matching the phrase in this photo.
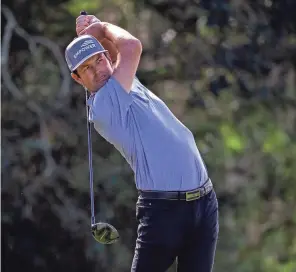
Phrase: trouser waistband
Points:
(178, 195)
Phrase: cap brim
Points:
(87, 57)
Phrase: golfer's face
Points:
(95, 71)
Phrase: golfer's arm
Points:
(129, 50)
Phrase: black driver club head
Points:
(104, 233)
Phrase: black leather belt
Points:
(178, 195)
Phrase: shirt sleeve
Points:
(109, 106)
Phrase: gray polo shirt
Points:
(159, 148)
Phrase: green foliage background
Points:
(226, 69)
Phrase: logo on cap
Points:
(86, 45)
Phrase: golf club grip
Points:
(83, 12)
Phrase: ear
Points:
(77, 78)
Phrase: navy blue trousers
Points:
(170, 229)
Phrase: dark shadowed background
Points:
(225, 68)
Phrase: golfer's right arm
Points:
(130, 50)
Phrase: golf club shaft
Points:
(91, 182)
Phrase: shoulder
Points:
(111, 86)
(111, 99)
(112, 89)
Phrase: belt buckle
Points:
(193, 195)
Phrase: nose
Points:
(95, 70)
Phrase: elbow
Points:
(137, 46)
(132, 46)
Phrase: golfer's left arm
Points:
(129, 51)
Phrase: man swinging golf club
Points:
(177, 208)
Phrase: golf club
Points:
(103, 233)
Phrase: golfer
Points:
(177, 208)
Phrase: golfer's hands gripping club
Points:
(89, 24)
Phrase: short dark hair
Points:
(75, 72)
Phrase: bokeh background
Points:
(225, 68)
